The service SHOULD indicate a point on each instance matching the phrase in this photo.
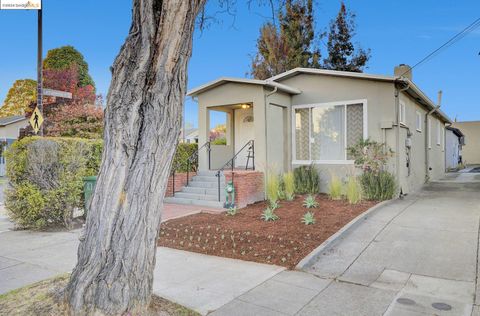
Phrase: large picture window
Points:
(323, 132)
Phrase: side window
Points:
(439, 133)
(402, 114)
(430, 133)
(418, 121)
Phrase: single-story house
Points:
(311, 116)
(9, 132)
(471, 150)
(190, 137)
(454, 141)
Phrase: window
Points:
(443, 138)
(322, 132)
(402, 112)
(439, 133)
(419, 121)
(430, 133)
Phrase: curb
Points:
(305, 262)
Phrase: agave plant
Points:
(310, 202)
(308, 218)
(269, 215)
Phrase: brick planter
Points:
(249, 187)
(180, 182)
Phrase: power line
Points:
(475, 24)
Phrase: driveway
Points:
(415, 256)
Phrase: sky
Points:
(395, 31)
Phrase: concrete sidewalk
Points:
(203, 283)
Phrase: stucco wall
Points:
(222, 97)
(471, 150)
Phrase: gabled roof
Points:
(336, 73)
(410, 87)
(223, 80)
(4, 121)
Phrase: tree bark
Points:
(116, 256)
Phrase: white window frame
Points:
(439, 133)
(325, 105)
(430, 133)
(402, 113)
(443, 138)
(418, 121)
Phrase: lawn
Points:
(46, 298)
(246, 236)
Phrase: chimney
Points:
(403, 70)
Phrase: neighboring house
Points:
(311, 116)
(454, 140)
(9, 131)
(190, 137)
(471, 151)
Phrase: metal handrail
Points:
(190, 159)
(231, 163)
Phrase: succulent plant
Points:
(269, 215)
(310, 202)
(308, 218)
(232, 211)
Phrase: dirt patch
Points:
(46, 298)
(246, 236)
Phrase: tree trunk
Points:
(116, 257)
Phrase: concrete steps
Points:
(202, 190)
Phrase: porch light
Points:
(245, 106)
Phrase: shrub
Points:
(269, 215)
(273, 186)
(378, 186)
(185, 150)
(306, 180)
(369, 155)
(335, 188)
(308, 218)
(310, 202)
(289, 185)
(353, 190)
(46, 179)
(232, 211)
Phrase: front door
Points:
(244, 132)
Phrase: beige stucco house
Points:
(9, 131)
(471, 150)
(306, 116)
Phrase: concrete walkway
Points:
(416, 256)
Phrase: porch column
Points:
(203, 134)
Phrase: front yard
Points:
(246, 236)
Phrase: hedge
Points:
(45, 179)
(185, 150)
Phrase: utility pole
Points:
(39, 70)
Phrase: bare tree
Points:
(116, 256)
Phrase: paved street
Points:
(416, 256)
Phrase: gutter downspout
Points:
(397, 130)
(428, 137)
(266, 96)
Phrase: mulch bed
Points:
(246, 236)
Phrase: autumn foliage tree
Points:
(22, 93)
(288, 46)
(81, 116)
